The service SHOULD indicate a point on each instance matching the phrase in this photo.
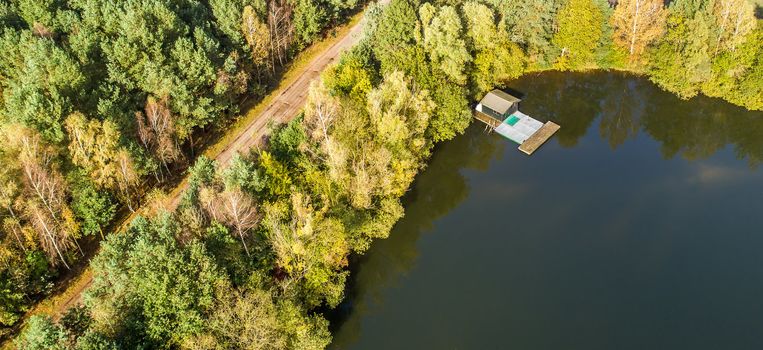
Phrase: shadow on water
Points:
(437, 190)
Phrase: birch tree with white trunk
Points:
(638, 23)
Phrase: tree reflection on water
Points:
(626, 104)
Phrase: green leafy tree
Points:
(497, 59)
(243, 321)
(394, 36)
(310, 248)
(203, 171)
(257, 36)
(93, 208)
(93, 340)
(607, 54)
(40, 84)
(681, 61)
(309, 18)
(531, 25)
(163, 48)
(76, 320)
(274, 175)
(146, 273)
(253, 319)
(453, 113)
(242, 173)
(579, 33)
(11, 299)
(350, 77)
(286, 140)
(736, 74)
(95, 146)
(443, 39)
(234, 208)
(41, 333)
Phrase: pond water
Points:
(638, 226)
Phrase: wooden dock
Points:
(499, 110)
(539, 138)
(529, 134)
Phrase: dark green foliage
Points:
(92, 340)
(40, 82)
(312, 16)
(607, 55)
(41, 333)
(228, 253)
(145, 272)
(309, 17)
(11, 300)
(163, 48)
(76, 320)
(394, 32)
(27, 277)
(93, 208)
(38, 271)
(202, 172)
(9, 17)
(285, 141)
(531, 24)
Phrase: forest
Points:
(102, 102)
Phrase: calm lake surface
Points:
(638, 226)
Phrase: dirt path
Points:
(283, 105)
(286, 105)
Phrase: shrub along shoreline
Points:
(259, 244)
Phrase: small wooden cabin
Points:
(498, 104)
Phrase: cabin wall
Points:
(513, 109)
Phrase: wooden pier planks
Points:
(490, 121)
(539, 138)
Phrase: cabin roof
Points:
(499, 101)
